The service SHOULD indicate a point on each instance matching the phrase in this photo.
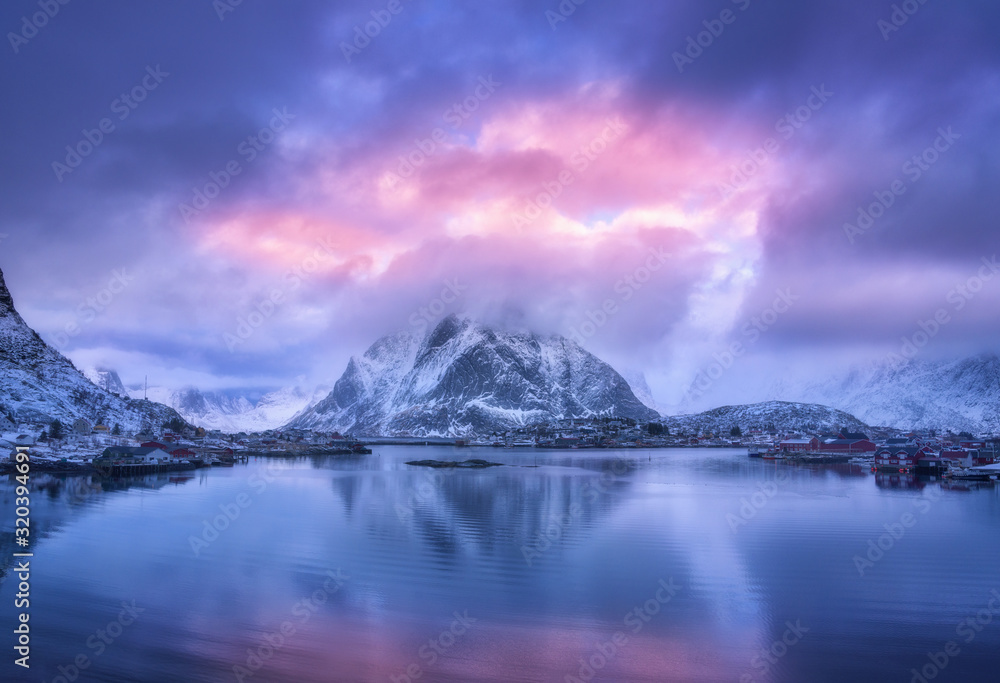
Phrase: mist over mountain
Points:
(235, 410)
(465, 378)
(107, 379)
(961, 394)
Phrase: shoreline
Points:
(80, 468)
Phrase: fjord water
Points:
(661, 565)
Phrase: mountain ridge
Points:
(464, 378)
(961, 394)
(788, 416)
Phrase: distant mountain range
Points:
(39, 384)
(781, 415)
(467, 378)
(232, 412)
(227, 411)
(959, 395)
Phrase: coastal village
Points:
(86, 445)
(180, 446)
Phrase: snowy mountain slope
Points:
(231, 412)
(465, 378)
(39, 384)
(960, 395)
(637, 382)
(107, 380)
(783, 415)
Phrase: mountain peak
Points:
(6, 300)
(466, 377)
(446, 330)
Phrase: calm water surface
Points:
(663, 565)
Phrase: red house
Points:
(850, 446)
(153, 444)
(900, 457)
(799, 445)
(966, 443)
(182, 453)
(968, 458)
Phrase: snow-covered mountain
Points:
(39, 384)
(233, 412)
(465, 378)
(782, 415)
(959, 395)
(107, 379)
(637, 382)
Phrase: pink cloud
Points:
(610, 181)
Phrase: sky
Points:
(244, 194)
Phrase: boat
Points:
(964, 474)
